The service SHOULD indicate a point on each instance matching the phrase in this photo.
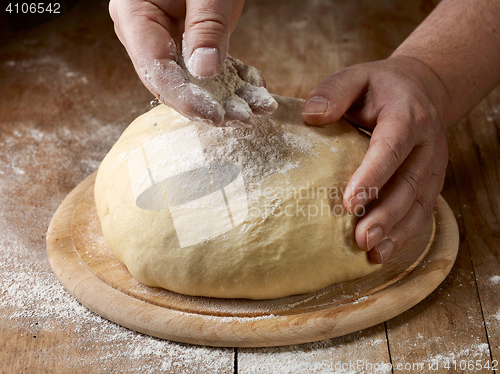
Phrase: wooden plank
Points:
(297, 43)
(471, 290)
(359, 352)
(70, 95)
(323, 37)
(474, 151)
(88, 270)
(90, 344)
(68, 90)
(446, 331)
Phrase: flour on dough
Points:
(235, 95)
(238, 90)
(233, 212)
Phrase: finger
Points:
(153, 53)
(392, 203)
(113, 12)
(330, 99)
(412, 222)
(248, 73)
(143, 27)
(173, 88)
(206, 35)
(390, 144)
(237, 110)
(258, 99)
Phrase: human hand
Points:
(401, 100)
(176, 46)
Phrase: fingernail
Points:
(315, 105)
(357, 202)
(204, 62)
(384, 249)
(373, 237)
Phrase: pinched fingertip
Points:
(249, 73)
(170, 84)
(258, 99)
(198, 105)
(382, 252)
(237, 112)
(373, 236)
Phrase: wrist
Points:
(433, 85)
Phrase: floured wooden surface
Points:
(36, 310)
(69, 90)
(87, 268)
(56, 125)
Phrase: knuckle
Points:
(425, 205)
(404, 232)
(427, 121)
(208, 33)
(206, 21)
(422, 115)
(387, 217)
(412, 181)
(441, 152)
(394, 146)
(441, 181)
(392, 216)
(369, 180)
(376, 179)
(251, 75)
(334, 88)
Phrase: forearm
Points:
(460, 42)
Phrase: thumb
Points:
(334, 95)
(206, 36)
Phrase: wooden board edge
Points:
(240, 331)
(374, 309)
(58, 237)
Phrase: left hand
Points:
(401, 100)
(153, 33)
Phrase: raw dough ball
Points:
(230, 212)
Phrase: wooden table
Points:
(67, 92)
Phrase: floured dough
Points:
(232, 212)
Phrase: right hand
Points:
(157, 34)
(402, 100)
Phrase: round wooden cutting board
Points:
(87, 268)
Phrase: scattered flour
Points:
(43, 68)
(339, 356)
(492, 114)
(495, 279)
(33, 304)
(475, 351)
(360, 300)
(497, 316)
